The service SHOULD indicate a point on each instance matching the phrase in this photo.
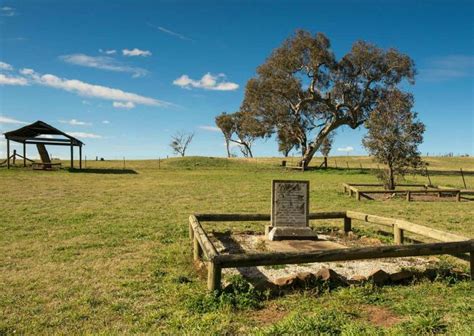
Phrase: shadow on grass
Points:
(250, 274)
(103, 171)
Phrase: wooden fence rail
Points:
(351, 189)
(343, 254)
(450, 244)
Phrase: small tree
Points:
(226, 124)
(326, 147)
(180, 142)
(394, 135)
(286, 141)
(241, 128)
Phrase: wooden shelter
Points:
(31, 135)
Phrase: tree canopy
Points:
(180, 142)
(303, 91)
(241, 128)
(394, 134)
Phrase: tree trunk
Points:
(313, 146)
(227, 147)
(249, 151)
(391, 178)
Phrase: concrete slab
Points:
(301, 245)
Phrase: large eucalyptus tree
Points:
(302, 89)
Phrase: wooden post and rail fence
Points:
(352, 189)
(203, 248)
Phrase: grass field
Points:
(107, 252)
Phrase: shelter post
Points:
(8, 153)
(80, 157)
(72, 156)
(24, 154)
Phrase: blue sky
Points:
(125, 75)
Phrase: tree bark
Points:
(391, 178)
(313, 146)
(227, 147)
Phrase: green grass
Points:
(109, 253)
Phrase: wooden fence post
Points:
(347, 225)
(458, 196)
(397, 235)
(191, 232)
(408, 196)
(358, 195)
(428, 175)
(471, 257)
(214, 273)
(197, 250)
(463, 180)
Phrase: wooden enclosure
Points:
(354, 189)
(204, 250)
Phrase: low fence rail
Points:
(203, 248)
(352, 189)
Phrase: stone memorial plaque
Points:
(290, 208)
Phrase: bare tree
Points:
(394, 135)
(303, 88)
(180, 142)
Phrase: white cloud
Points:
(7, 11)
(5, 66)
(126, 105)
(207, 82)
(106, 122)
(6, 80)
(210, 128)
(170, 32)
(346, 149)
(75, 122)
(448, 67)
(85, 135)
(136, 52)
(6, 120)
(27, 72)
(91, 90)
(103, 63)
(46, 136)
(108, 51)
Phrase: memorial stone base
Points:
(289, 232)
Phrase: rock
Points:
(305, 279)
(327, 274)
(285, 281)
(379, 277)
(358, 278)
(401, 276)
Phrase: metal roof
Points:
(30, 133)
